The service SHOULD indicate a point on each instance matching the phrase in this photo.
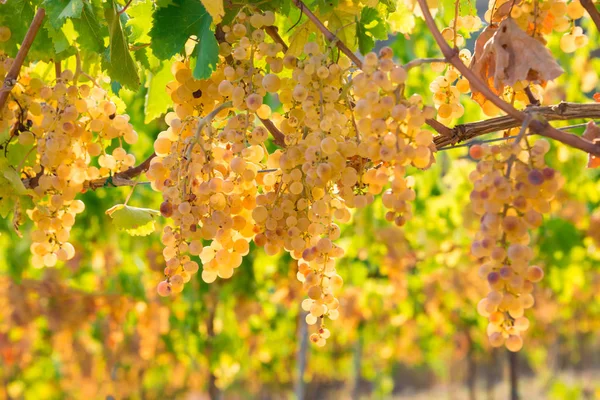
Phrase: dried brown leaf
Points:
(511, 55)
(592, 133)
(485, 70)
(504, 10)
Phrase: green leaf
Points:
(207, 50)
(13, 178)
(342, 25)
(168, 40)
(16, 15)
(140, 21)
(91, 33)
(133, 220)
(370, 27)
(141, 56)
(401, 20)
(10, 187)
(558, 236)
(156, 102)
(59, 10)
(119, 62)
(59, 41)
(465, 7)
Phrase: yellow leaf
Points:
(343, 26)
(215, 9)
(299, 39)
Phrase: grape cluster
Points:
(539, 18)
(512, 189)
(66, 126)
(447, 89)
(346, 136)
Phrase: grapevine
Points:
(276, 141)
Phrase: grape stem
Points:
(278, 136)
(327, 33)
(592, 10)
(520, 135)
(77, 66)
(557, 112)
(13, 73)
(206, 120)
(125, 7)
(274, 33)
(57, 69)
(538, 126)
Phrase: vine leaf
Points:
(91, 33)
(511, 55)
(341, 23)
(11, 187)
(207, 50)
(298, 39)
(401, 19)
(140, 21)
(215, 9)
(592, 133)
(59, 10)
(119, 62)
(167, 41)
(156, 102)
(369, 27)
(133, 220)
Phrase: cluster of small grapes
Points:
(541, 18)
(513, 187)
(348, 135)
(466, 23)
(208, 168)
(66, 125)
(447, 89)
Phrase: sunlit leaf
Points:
(133, 220)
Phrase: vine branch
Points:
(119, 179)
(539, 127)
(592, 10)
(562, 111)
(13, 73)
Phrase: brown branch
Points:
(592, 10)
(274, 33)
(278, 136)
(13, 73)
(562, 111)
(452, 57)
(327, 33)
(119, 179)
(539, 127)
